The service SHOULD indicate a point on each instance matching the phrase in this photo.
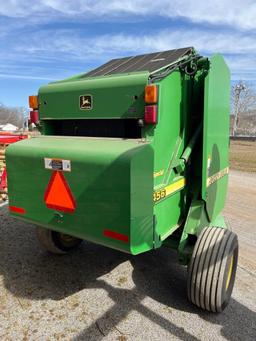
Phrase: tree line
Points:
(13, 115)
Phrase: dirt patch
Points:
(240, 215)
(243, 155)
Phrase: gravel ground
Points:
(96, 293)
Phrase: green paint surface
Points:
(113, 179)
(106, 194)
(112, 96)
(168, 143)
(216, 134)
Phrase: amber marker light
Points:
(151, 94)
(33, 102)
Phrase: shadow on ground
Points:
(31, 273)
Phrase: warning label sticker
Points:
(217, 176)
(57, 164)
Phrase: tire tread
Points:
(207, 271)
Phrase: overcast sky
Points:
(47, 40)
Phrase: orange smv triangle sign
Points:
(58, 195)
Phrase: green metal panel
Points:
(216, 136)
(111, 180)
(143, 189)
(168, 142)
(167, 131)
(196, 220)
(141, 200)
(118, 96)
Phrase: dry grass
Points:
(243, 155)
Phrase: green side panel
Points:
(219, 221)
(196, 220)
(168, 143)
(168, 214)
(169, 126)
(118, 96)
(216, 136)
(111, 181)
(141, 200)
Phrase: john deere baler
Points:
(134, 156)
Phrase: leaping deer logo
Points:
(86, 102)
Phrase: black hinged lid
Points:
(150, 62)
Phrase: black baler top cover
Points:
(145, 62)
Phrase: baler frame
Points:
(164, 185)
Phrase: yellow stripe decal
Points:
(217, 176)
(159, 173)
(168, 190)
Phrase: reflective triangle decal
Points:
(58, 195)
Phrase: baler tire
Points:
(212, 269)
(53, 241)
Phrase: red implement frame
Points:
(5, 139)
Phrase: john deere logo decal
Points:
(86, 102)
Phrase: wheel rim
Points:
(230, 272)
(230, 275)
(66, 238)
(64, 241)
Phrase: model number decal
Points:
(169, 190)
(158, 195)
(57, 164)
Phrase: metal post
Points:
(238, 89)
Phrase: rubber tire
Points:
(52, 241)
(208, 285)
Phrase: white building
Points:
(8, 127)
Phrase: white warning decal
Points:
(57, 164)
(217, 176)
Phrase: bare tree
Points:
(14, 116)
(243, 98)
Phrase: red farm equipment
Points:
(5, 140)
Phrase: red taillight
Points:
(150, 116)
(34, 116)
